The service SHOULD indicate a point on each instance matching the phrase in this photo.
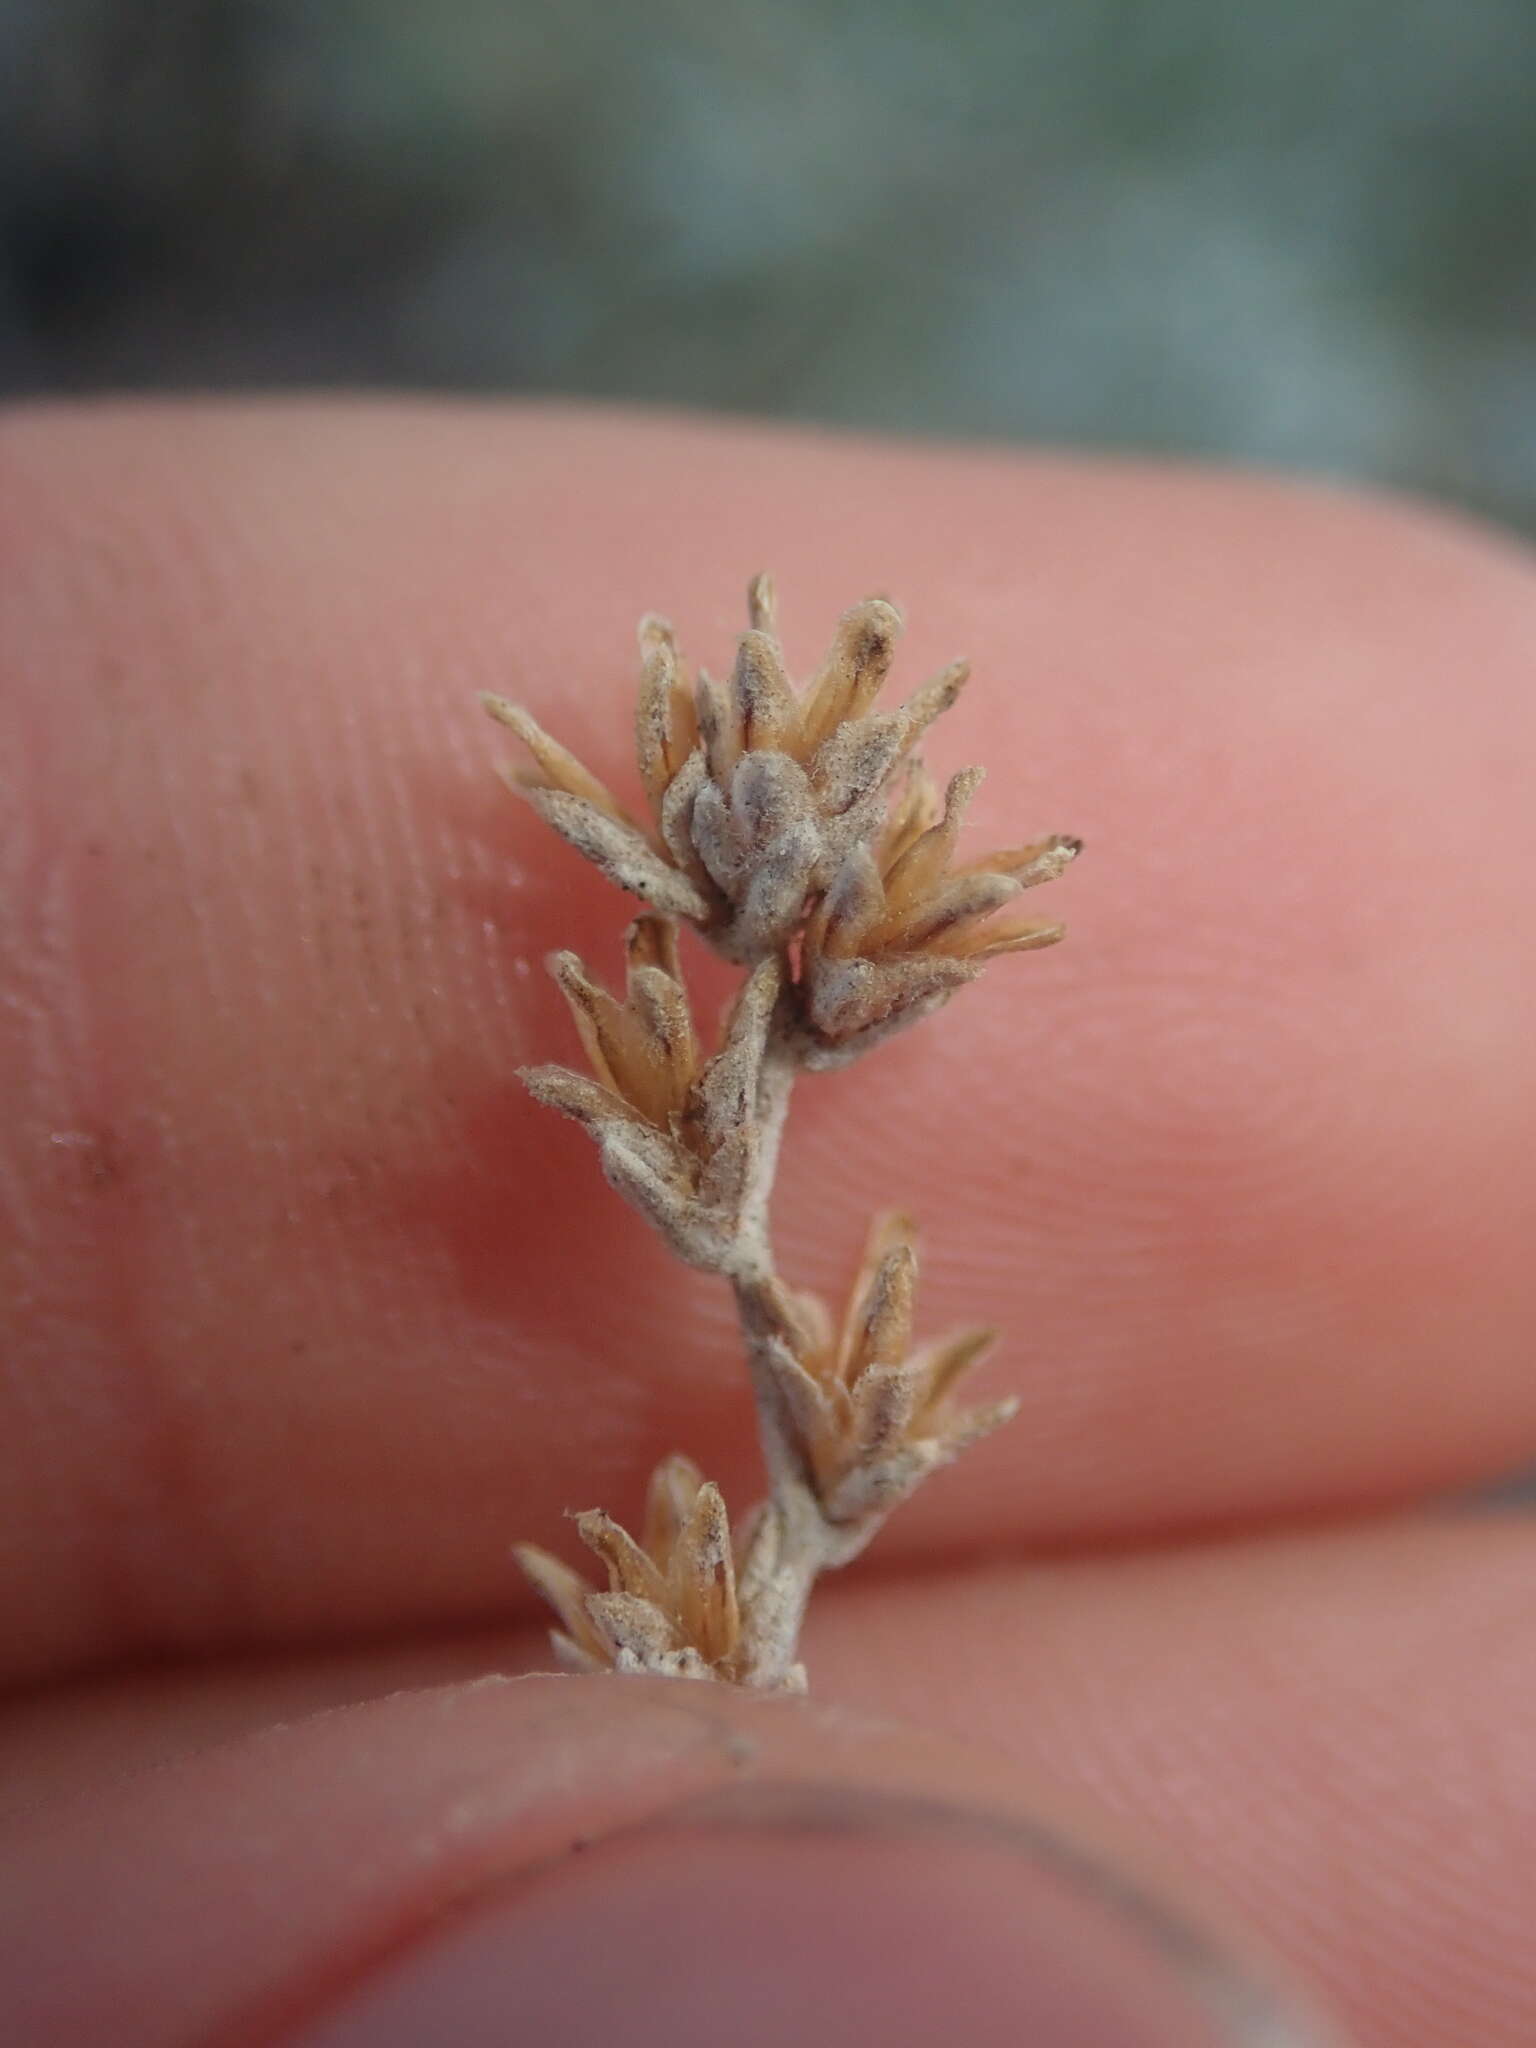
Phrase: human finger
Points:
(310, 1310)
(1334, 1731)
(572, 1859)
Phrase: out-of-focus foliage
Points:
(1302, 233)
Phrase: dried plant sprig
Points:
(773, 833)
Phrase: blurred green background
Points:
(1300, 233)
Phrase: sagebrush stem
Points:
(810, 1544)
(780, 1066)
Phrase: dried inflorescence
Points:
(670, 1604)
(756, 793)
(870, 1416)
(900, 928)
(773, 834)
(678, 1137)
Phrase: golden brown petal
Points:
(598, 1019)
(652, 942)
(933, 700)
(946, 921)
(917, 807)
(891, 1235)
(1031, 865)
(766, 711)
(630, 1570)
(944, 1363)
(567, 1593)
(703, 1578)
(863, 644)
(659, 1006)
(555, 767)
(643, 1048)
(666, 725)
(669, 1498)
(1025, 937)
(917, 872)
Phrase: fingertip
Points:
(548, 1858)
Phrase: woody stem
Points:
(760, 1303)
(775, 1085)
(802, 1548)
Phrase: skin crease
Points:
(297, 1302)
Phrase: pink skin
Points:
(306, 1313)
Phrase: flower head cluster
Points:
(900, 927)
(678, 1135)
(869, 1415)
(768, 823)
(670, 1606)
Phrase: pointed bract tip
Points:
(885, 608)
(514, 716)
(522, 780)
(894, 1226)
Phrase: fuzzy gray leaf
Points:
(774, 902)
(620, 851)
(675, 819)
(716, 840)
(578, 1096)
(727, 1176)
(856, 760)
(869, 1492)
(770, 793)
(628, 1624)
(852, 905)
(726, 1091)
(847, 998)
(885, 1399)
(801, 1397)
(649, 1171)
(965, 900)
